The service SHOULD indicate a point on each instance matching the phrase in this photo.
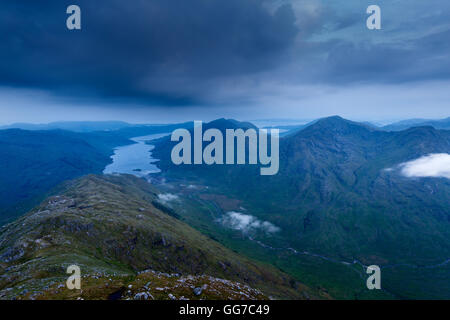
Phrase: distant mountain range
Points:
(118, 127)
(133, 130)
(77, 126)
(406, 124)
(443, 124)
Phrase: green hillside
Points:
(113, 227)
(334, 198)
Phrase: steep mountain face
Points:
(340, 199)
(114, 227)
(164, 146)
(33, 162)
(406, 124)
(339, 193)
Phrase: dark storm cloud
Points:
(158, 50)
(194, 52)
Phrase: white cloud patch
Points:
(433, 165)
(167, 197)
(246, 223)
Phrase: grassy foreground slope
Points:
(113, 227)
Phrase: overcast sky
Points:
(174, 60)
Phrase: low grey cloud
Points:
(433, 165)
(246, 223)
(167, 197)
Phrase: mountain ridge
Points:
(110, 225)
